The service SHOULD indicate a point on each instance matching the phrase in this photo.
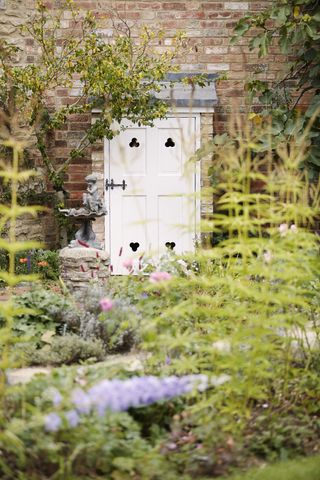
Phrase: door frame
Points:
(178, 112)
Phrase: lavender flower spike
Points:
(120, 395)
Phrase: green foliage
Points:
(65, 350)
(248, 317)
(294, 26)
(10, 172)
(118, 451)
(300, 469)
(118, 77)
(111, 446)
(117, 328)
(57, 329)
(42, 311)
(44, 263)
(252, 313)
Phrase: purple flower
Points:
(120, 395)
(81, 401)
(156, 277)
(72, 418)
(106, 304)
(52, 422)
(56, 397)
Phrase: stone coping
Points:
(83, 252)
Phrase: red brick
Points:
(173, 6)
(212, 6)
(79, 126)
(62, 92)
(147, 5)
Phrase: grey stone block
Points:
(80, 267)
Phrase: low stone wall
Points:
(82, 266)
(43, 229)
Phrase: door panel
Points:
(157, 205)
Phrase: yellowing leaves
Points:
(296, 11)
(255, 118)
(47, 337)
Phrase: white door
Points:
(151, 189)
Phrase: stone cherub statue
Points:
(92, 207)
(92, 203)
(91, 199)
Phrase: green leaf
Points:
(19, 246)
(125, 464)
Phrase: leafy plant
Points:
(10, 172)
(110, 445)
(293, 26)
(117, 328)
(44, 263)
(64, 350)
(43, 311)
(118, 77)
(251, 312)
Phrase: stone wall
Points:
(208, 25)
(42, 228)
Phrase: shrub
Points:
(45, 263)
(105, 446)
(49, 318)
(118, 328)
(44, 311)
(65, 350)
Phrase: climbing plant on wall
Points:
(294, 25)
(118, 76)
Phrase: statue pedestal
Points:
(80, 266)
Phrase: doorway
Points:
(150, 190)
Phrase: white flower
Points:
(220, 380)
(222, 346)
(283, 229)
(267, 256)
(294, 228)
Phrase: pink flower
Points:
(106, 304)
(283, 229)
(156, 277)
(128, 263)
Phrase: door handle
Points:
(111, 185)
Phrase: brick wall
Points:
(208, 25)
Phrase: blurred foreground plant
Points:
(10, 174)
(253, 311)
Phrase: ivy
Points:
(294, 26)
